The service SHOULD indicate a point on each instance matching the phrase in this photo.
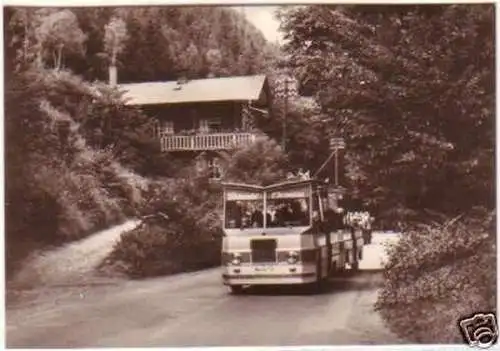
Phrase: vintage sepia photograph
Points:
(250, 175)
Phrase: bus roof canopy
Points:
(241, 186)
(285, 184)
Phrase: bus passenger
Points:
(257, 219)
(284, 214)
(236, 214)
(297, 214)
(272, 214)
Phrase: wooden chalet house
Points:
(203, 118)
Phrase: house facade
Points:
(204, 118)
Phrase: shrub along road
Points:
(194, 309)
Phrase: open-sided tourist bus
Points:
(293, 243)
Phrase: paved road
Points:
(196, 310)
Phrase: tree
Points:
(411, 89)
(188, 41)
(190, 60)
(115, 36)
(214, 60)
(261, 163)
(19, 30)
(306, 130)
(58, 33)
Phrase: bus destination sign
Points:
(289, 194)
(243, 196)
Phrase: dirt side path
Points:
(70, 264)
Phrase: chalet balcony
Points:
(201, 142)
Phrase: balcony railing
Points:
(216, 141)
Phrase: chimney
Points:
(113, 75)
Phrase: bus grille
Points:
(263, 250)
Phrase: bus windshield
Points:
(288, 209)
(244, 210)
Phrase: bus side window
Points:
(316, 210)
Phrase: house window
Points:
(210, 125)
(215, 168)
(215, 124)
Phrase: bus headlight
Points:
(236, 261)
(293, 257)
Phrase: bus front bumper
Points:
(269, 275)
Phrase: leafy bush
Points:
(261, 163)
(189, 239)
(437, 274)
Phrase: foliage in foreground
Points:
(438, 274)
(60, 185)
(184, 233)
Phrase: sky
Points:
(263, 18)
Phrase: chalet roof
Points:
(242, 88)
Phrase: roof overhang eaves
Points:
(144, 103)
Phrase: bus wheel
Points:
(236, 289)
(367, 237)
(329, 263)
(319, 284)
(316, 287)
(333, 269)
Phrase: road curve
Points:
(196, 310)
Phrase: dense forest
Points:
(173, 41)
(412, 89)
